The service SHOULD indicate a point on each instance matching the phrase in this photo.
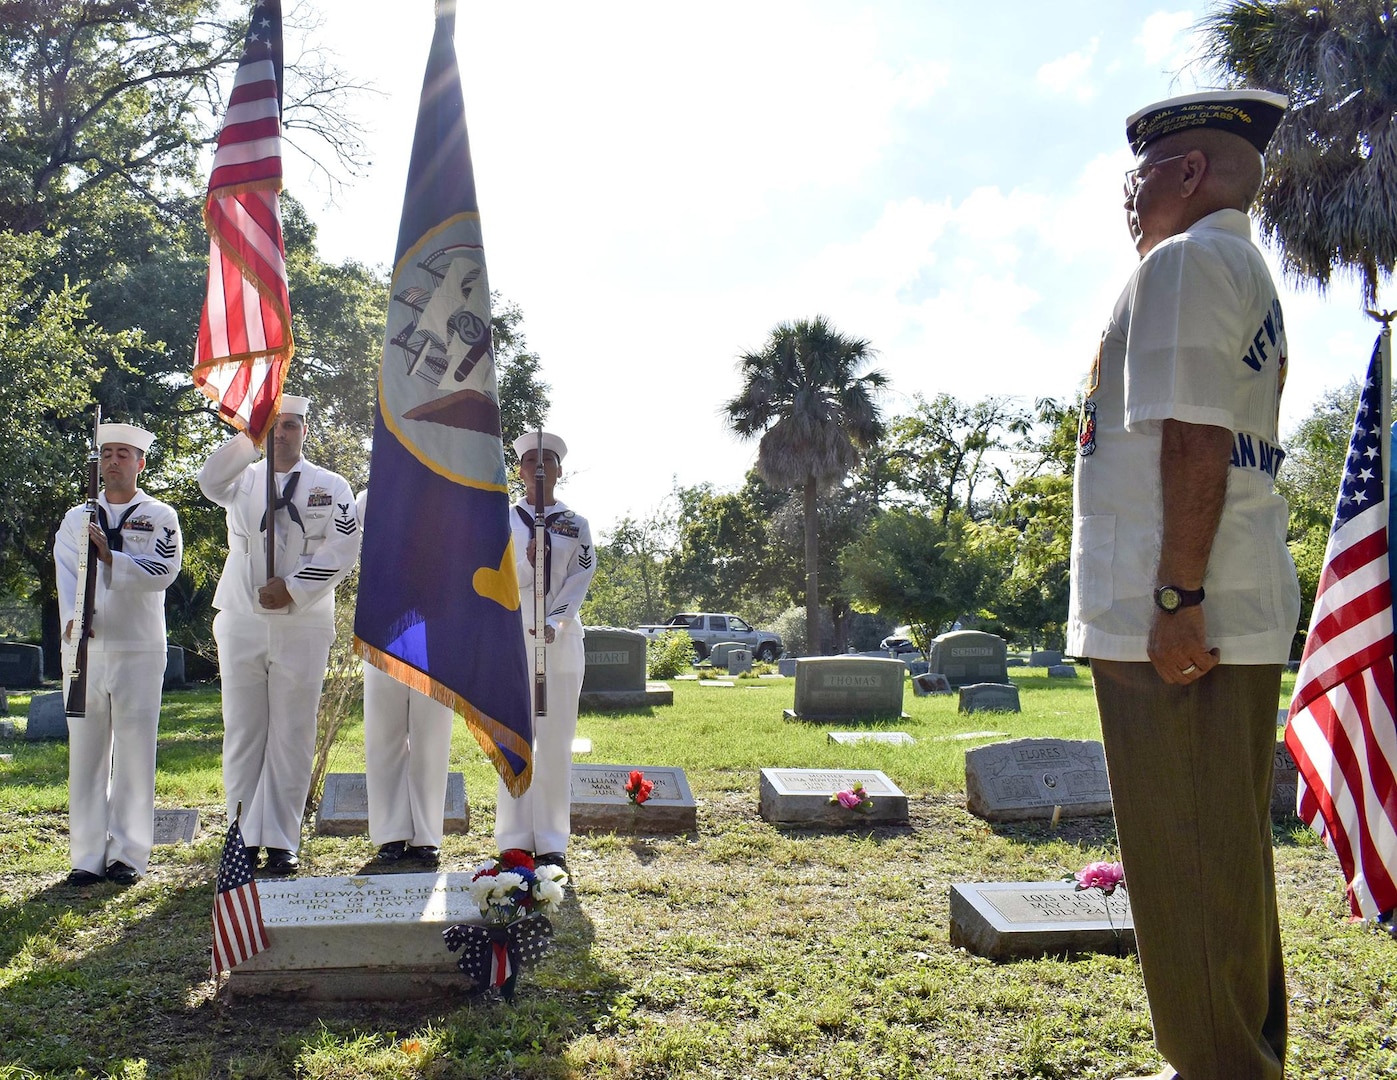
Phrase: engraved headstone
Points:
(786, 666)
(970, 656)
(176, 826)
(359, 938)
(931, 682)
(989, 697)
(21, 665)
(740, 661)
(1022, 919)
(1062, 671)
(848, 688)
(344, 806)
(174, 667)
(886, 738)
(1024, 779)
(802, 797)
(1044, 658)
(47, 717)
(600, 803)
(615, 659)
(1284, 784)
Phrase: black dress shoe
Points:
(423, 853)
(253, 855)
(281, 861)
(391, 851)
(82, 877)
(122, 874)
(553, 858)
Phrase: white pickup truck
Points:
(709, 629)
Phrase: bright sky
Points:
(661, 184)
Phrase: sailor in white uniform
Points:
(111, 749)
(539, 820)
(274, 635)
(407, 751)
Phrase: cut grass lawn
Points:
(740, 951)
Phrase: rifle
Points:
(540, 595)
(84, 603)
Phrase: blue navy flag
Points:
(438, 596)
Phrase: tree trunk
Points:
(812, 571)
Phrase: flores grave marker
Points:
(1023, 779)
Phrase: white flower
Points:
(480, 890)
(549, 890)
(506, 883)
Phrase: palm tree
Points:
(803, 395)
(1330, 197)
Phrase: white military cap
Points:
(128, 434)
(529, 441)
(296, 406)
(1252, 114)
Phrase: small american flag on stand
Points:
(238, 932)
(245, 342)
(1342, 732)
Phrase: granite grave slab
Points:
(886, 738)
(21, 665)
(988, 697)
(600, 803)
(1062, 671)
(1022, 919)
(176, 826)
(930, 682)
(174, 667)
(1284, 785)
(344, 806)
(848, 688)
(802, 797)
(970, 656)
(1044, 658)
(47, 717)
(1025, 779)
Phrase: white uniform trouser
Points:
(539, 820)
(111, 760)
(407, 750)
(272, 672)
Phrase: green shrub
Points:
(669, 654)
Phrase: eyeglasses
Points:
(1136, 176)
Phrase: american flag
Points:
(238, 932)
(1341, 732)
(245, 342)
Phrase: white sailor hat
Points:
(1252, 114)
(296, 406)
(529, 441)
(128, 434)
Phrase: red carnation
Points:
(639, 788)
(516, 858)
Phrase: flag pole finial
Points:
(1384, 317)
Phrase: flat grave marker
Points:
(176, 826)
(344, 806)
(1021, 919)
(1027, 779)
(600, 803)
(802, 797)
(887, 738)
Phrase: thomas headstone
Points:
(970, 656)
(1022, 919)
(930, 682)
(174, 667)
(847, 688)
(989, 697)
(600, 803)
(359, 938)
(885, 738)
(1283, 786)
(21, 665)
(802, 797)
(344, 806)
(47, 717)
(176, 826)
(1024, 779)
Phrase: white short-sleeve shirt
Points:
(1196, 336)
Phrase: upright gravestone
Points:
(1062, 671)
(174, 667)
(614, 677)
(802, 797)
(1014, 920)
(1025, 779)
(600, 803)
(1044, 658)
(740, 661)
(1283, 786)
(930, 682)
(359, 938)
(970, 656)
(848, 688)
(47, 717)
(989, 697)
(344, 806)
(21, 665)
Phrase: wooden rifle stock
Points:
(540, 590)
(84, 603)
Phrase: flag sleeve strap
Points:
(317, 573)
(567, 598)
(225, 470)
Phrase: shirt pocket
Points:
(1093, 555)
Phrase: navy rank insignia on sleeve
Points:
(345, 522)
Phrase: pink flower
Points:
(848, 799)
(1105, 876)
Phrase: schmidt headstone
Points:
(847, 688)
(614, 677)
(989, 697)
(802, 797)
(1025, 779)
(970, 656)
(344, 806)
(359, 938)
(1022, 919)
(47, 717)
(600, 803)
(21, 665)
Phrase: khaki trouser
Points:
(1191, 773)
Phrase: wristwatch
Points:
(1169, 598)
